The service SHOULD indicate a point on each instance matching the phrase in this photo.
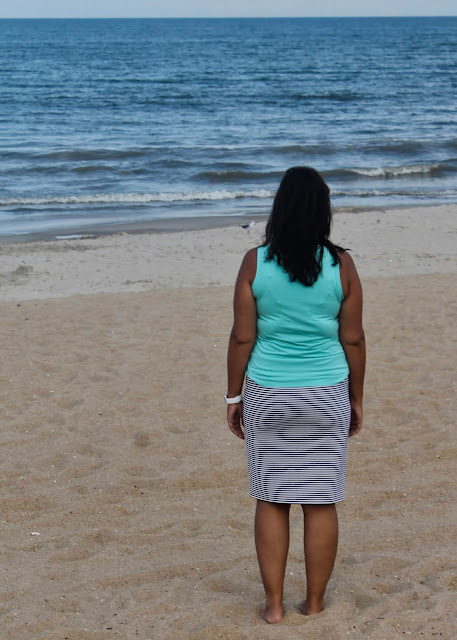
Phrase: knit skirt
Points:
(296, 441)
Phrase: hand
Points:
(235, 419)
(356, 418)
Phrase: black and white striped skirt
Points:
(296, 440)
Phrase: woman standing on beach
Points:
(298, 337)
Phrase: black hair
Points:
(299, 225)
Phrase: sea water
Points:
(114, 121)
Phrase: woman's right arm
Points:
(352, 337)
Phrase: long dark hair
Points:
(298, 228)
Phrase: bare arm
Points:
(242, 337)
(352, 337)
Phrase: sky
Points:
(221, 8)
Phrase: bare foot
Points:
(272, 615)
(308, 610)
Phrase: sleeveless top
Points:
(297, 341)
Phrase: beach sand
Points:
(124, 499)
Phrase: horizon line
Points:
(338, 17)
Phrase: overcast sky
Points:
(221, 8)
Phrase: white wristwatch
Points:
(234, 400)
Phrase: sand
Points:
(124, 497)
(383, 243)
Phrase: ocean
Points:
(117, 121)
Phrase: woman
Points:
(298, 337)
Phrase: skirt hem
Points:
(297, 501)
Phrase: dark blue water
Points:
(123, 120)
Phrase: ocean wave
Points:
(186, 155)
(401, 147)
(287, 149)
(237, 175)
(159, 153)
(136, 198)
(383, 147)
(407, 193)
(431, 169)
(78, 154)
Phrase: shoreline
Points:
(180, 224)
(382, 243)
(160, 225)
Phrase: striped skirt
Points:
(296, 440)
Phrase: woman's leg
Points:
(272, 545)
(321, 542)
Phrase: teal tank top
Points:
(297, 341)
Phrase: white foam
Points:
(138, 198)
(74, 235)
(387, 172)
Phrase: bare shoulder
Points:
(348, 273)
(251, 255)
(346, 259)
(248, 267)
(347, 266)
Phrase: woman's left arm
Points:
(242, 338)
